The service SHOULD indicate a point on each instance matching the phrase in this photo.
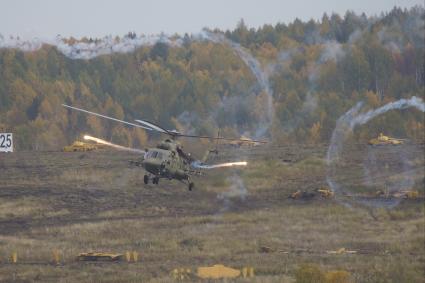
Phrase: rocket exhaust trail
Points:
(119, 147)
(200, 165)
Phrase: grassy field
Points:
(81, 202)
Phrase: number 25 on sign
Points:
(6, 142)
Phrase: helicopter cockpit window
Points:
(148, 155)
(154, 155)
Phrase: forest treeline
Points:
(316, 70)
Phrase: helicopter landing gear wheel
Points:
(146, 179)
(191, 186)
(155, 180)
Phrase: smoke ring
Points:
(344, 128)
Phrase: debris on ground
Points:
(407, 194)
(100, 256)
(325, 192)
(182, 274)
(266, 249)
(302, 195)
(341, 251)
(403, 194)
(322, 192)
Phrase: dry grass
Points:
(28, 207)
(101, 208)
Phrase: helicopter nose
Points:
(151, 166)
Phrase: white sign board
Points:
(6, 142)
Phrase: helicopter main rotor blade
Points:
(177, 134)
(154, 127)
(218, 138)
(106, 117)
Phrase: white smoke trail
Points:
(399, 104)
(108, 45)
(91, 49)
(345, 126)
(255, 67)
(394, 35)
(116, 146)
(347, 122)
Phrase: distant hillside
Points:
(309, 72)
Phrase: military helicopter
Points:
(168, 160)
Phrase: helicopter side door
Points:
(177, 168)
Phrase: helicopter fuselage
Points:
(167, 161)
(164, 163)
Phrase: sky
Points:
(98, 18)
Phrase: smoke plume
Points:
(344, 129)
(237, 190)
(411, 28)
(261, 76)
